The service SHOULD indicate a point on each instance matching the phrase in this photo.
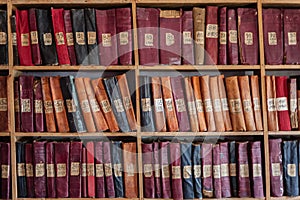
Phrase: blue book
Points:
(187, 175)
(117, 159)
(232, 169)
(21, 176)
(197, 171)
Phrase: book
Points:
(191, 104)
(271, 103)
(69, 36)
(243, 170)
(232, 168)
(292, 85)
(217, 171)
(207, 168)
(298, 97)
(39, 162)
(108, 170)
(148, 173)
(29, 170)
(5, 170)
(211, 35)
(157, 170)
(187, 170)
(17, 105)
(254, 85)
(14, 40)
(222, 59)
(75, 172)
(21, 170)
(196, 160)
(159, 113)
(175, 159)
(165, 169)
(50, 170)
(48, 105)
(188, 57)
(3, 104)
(100, 180)
(199, 30)
(34, 39)
(90, 170)
(224, 103)
(232, 34)
(38, 106)
(84, 192)
(117, 161)
(225, 172)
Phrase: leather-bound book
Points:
(232, 168)
(99, 119)
(282, 105)
(157, 169)
(170, 25)
(38, 106)
(5, 171)
(179, 99)
(225, 173)
(100, 182)
(126, 96)
(84, 192)
(247, 102)
(224, 103)
(79, 34)
(207, 169)
(34, 39)
(3, 104)
(21, 170)
(130, 170)
(191, 104)
(69, 36)
(75, 169)
(217, 171)
(29, 170)
(175, 160)
(103, 101)
(17, 105)
(188, 57)
(217, 104)
(50, 170)
(165, 169)
(60, 36)
(26, 98)
(271, 103)
(113, 92)
(117, 161)
(159, 112)
(244, 189)
(90, 169)
(222, 36)
(48, 105)
(273, 35)
(196, 160)
(211, 35)
(107, 40)
(255, 94)
(39, 162)
(293, 102)
(199, 103)
(14, 40)
(74, 114)
(187, 170)
(233, 45)
(46, 37)
(235, 104)
(59, 106)
(298, 100)
(124, 35)
(23, 37)
(172, 122)
(148, 181)
(248, 35)
(62, 150)
(256, 166)
(148, 35)
(207, 101)
(147, 118)
(108, 170)
(199, 30)
(92, 43)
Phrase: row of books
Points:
(193, 171)
(200, 103)
(68, 104)
(76, 169)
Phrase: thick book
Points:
(175, 160)
(99, 178)
(38, 106)
(273, 35)
(255, 94)
(48, 105)
(148, 35)
(187, 170)
(232, 168)
(248, 35)
(17, 105)
(222, 36)
(271, 103)
(29, 170)
(157, 170)
(199, 37)
(107, 39)
(207, 168)
(117, 163)
(34, 39)
(39, 162)
(83, 168)
(50, 170)
(21, 170)
(244, 189)
(75, 172)
(196, 160)
(148, 172)
(5, 171)
(292, 85)
(159, 112)
(225, 173)
(199, 103)
(108, 170)
(188, 57)
(224, 103)
(170, 25)
(90, 169)
(14, 40)
(191, 104)
(217, 171)
(69, 36)
(232, 35)
(211, 35)
(298, 98)
(3, 104)
(165, 169)
(46, 37)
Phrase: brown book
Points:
(3, 104)
(217, 106)
(48, 105)
(293, 103)
(199, 29)
(169, 104)
(224, 102)
(126, 96)
(235, 104)
(191, 104)
(199, 103)
(59, 106)
(271, 97)
(159, 113)
(247, 102)
(256, 102)
(99, 119)
(104, 103)
(84, 104)
(208, 107)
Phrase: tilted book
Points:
(48, 105)
(159, 112)
(199, 103)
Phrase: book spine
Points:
(256, 102)
(225, 173)
(90, 169)
(38, 105)
(191, 104)
(199, 34)
(224, 103)
(75, 186)
(39, 161)
(223, 36)
(100, 185)
(232, 34)
(29, 170)
(271, 103)
(3, 104)
(14, 40)
(243, 170)
(50, 170)
(187, 170)
(17, 105)
(117, 159)
(157, 170)
(257, 177)
(108, 170)
(232, 168)
(69, 36)
(187, 38)
(211, 35)
(159, 114)
(5, 171)
(147, 150)
(83, 174)
(165, 169)
(34, 40)
(293, 103)
(217, 171)
(207, 162)
(196, 156)
(21, 170)
(176, 171)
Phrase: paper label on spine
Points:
(170, 39)
(291, 170)
(60, 39)
(276, 169)
(105, 106)
(169, 104)
(197, 171)
(92, 38)
(127, 102)
(248, 38)
(99, 170)
(118, 170)
(14, 39)
(85, 106)
(187, 37)
(223, 37)
(232, 167)
(176, 172)
(149, 40)
(208, 105)
(29, 170)
(281, 104)
(106, 39)
(58, 105)
(224, 170)
(235, 105)
(34, 37)
(272, 38)
(244, 170)
(25, 39)
(292, 38)
(146, 105)
(38, 106)
(156, 170)
(61, 170)
(165, 171)
(187, 172)
(124, 38)
(70, 105)
(70, 39)
(94, 105)
(180, 105)
(50, 170)
(130, 169)
(212, 31)
(47, 39)
(83, 170)
(80, 38)
(200, 37)
(48, 107)
(224, 104)
(192, 108)
(90, 169)
(207, 170)
(199, 105)
(17, 105)
(40, 170)
(25, 105)
(217, 105)
(108, 169)
(119, 105)
(256, 104)
(247, 105)
(21, 169)
(256, 170)
(75, 169)
(293, 105)
(217, 171)
(5, 171)
(3, 104)
(271, 104)
(233, 36)
(159, 106)
(148, 170)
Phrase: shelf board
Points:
(66, 2)
(78, 198)
(283, 133)
(4, 134)
(39, 134)
(280, 2)
(4, 67)
(249, 198)
(73, 68)
(285, 198)
(194, 134)
(200, 67)
(282, 67)
(197, 1)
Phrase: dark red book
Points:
(100, 185)
(108, 170)
(170, 37)
(217, 171)
(107, 40)
(35, 47)
(157, 173)
(69, 36)
(211, 37)
(51, 191)
(39, 160)
(75, 169)
(222, 36)
(149, 189)
(187, 38)
(243, 170)
(232, 36)
(175, 156)
(207, 162)
(38, 106)
(29, 170)
(17, 105)
(224, 162)
(5, 170)
(3, 104)
(90, 169)
(84, 173)
(165, 170)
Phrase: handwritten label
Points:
(146, 104)
(256, 104)
(92, 38)
(90, 169)
(223, 37)
(21, 169)
(94, 105)
(271, 104)
(197, 171)
(192, 108)
(58, 105)
(187, 172)
(47, 39)
(99, 170)
(256, 170)
(292, 38)
(124, 38)
(5, 171)
(14, 39)
(156, 170)
(40, 170)
(106, 39)
(217, 171)
(149, 40)
(208, 105)
(29, 170)
(233, 36)
(187, 37)
(61, 169)
(17, 105)
(165, 171)
(244, 170)
(3, 104)
(118, 105)
(148, 170)
(169, 104)
(25, 105)
(70, 39)
(281, 104)
(60, 39)
(276, 169)
(105, 106)
(232, 167)
(159, 106)
(207, 170)
(75, 169)
(199, 105)
(170, 39)
(235, 105)
(225, 106)
(217, 105)
(34, 37)
(272, 38)
(38, 106)
(180, 105)
(130, 169)
(83, 170)
(291, 170)
(118, 170)
(70, 105)
(50, 170)
(48, 107)
(293, 105)
(108, 169)
(80, 38)
(224, 170)
(212, 31)
(127, 103)
(200, 37)
(247, 105)
(85, 106)
(248, 38)
(176, 172)
(25, 39)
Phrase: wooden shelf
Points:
(4, 67)
(249, 198)
(73, 68)
(4, 134)
(282, 67)
(200, 67)
(67, 2)
(78, 198)
(197, 1)
(285, 198)
(38, 134)
(194, 134)
(284, 133)
(280, 2)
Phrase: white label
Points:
(149, 40)
(38, 106)
(272, 38)
(90, 169)
(99, 170)
(39, 170)
(106, 39)
(224, 104)
(233, 36)
(48, 106)
(61, 170)
(291, 170)
(75, 169)
(123, 38)
(292, 37)
(223, 37)
(21, 169)
(94, 105)
(170, 39)
(58, 105)
(127, 102)
(34, 37)
(118, 170)
(212, 31)
(165, 171)
(197, 171)
(232, 167)
(50, 170)
(176, 172)
(70, 105)
(187, 37)
(108, 169)
(271, 104)
(247, 105)
(217, 105)
(207, 171)
(85, 106)
(130, 169)
(159, 107)
(224, 170)
(47, 39)
(256, 104)
(25, 105)
(276, 169)
(119, 105)
(293, 105)
(60, 39)
(244, 170)
(29, 170)
(180, 105)
(148, 170)
(199, 105)
(156, 170)
(83, 170)
(14, 39)
(105, 106)
(80, 38)
(146, 105)
(199, 37)
(192, 108)
(92, 38)
(248, 38)
(217, 171)
(281, 104)
(70, 39)
(187, 172)
(235, 105)
(25, 39)
(208, 105)
(169, 104)
(256, 170)
(3, 104)
(5, 171)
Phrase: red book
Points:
(211, 38)
(149, 189)
(5, 170)
(3, 104)
(51, 191)
(100, 185)
(187, 38)
(207, 162)
(223, 36)
(217, 171)
(39, 161)
(90, 169)
(243, 170)
(84, 173)
(108, 170)
(23, 38)
(157, 173)
(282, 103)
(60, 36)
(175, 156)
(75, 175)
(224, 162)
(233, 48)
(165, 170)
(69, 36)
(17, 106)
(35, 47)
(107, 40)
(29, 170)
(38, 106)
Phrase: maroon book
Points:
(75, 175)
(165, 170)
(100, 186)
(157, 173)
(107, 40)
(69, 36)
(38, 106)
(26, 98)
(17, 106)
(51, 191)
(217, 171)
(222, 36)
(148, 23)
(5, 170)
(248, 35)
(124, 35)
(90, 169)
(187, 38)
(232, 36)
(29, 170)
(225, 178)
(211, 38)
(108, 170)
(207, 162)
(39, 161)
(175, 156)
(84, 173)
(243, 170)
(35, 47)
(273, 36)
(149, 189)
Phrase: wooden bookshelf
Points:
(38, 134)
(201, 67)
(200, 134)
(73, 68)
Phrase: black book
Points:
(197, 171)
(117, 159)
(232, 169)
(21, 172)
(3, 38)
(14, 40)
(187, 175)
(115, 99)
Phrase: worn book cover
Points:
(255, 94)
(75, 172)
(232, 36)
(29, 169)
(38, 106)
(222, 36)
(69, 36)
(117, 161)
(211, 35)
(224, 103)
(48, 105)
(175, 152)
(3, 104)
(191, 104)
(188, 57)
(148, 172)
(159, 112)
(165, 169)
(187, 170)
(232, 168)
(50, 170)
(5, 171)
(39, 162)
(244, 189)
(34, 39)
(14, 40)
(199, 37)
(100, 180)
(21, 170)
(90, 169)
(225, 170)
(271, 103)
(108, 170)
(199, 103)
(207, 168)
